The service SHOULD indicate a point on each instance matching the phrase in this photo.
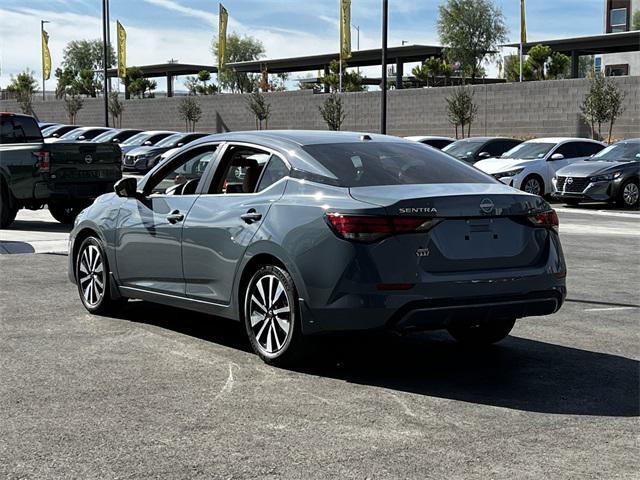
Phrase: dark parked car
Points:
(117, 135)
(433, 141)
(66, 176)
(474, 149)
(56, 131)
(44, 125)
(147, 139)
(144, 158)
(297, 233)
(80, 134)
(611, 175)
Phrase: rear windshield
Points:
(17, 129)
(374, 164)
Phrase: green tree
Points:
(430, 69)
(190, 111)
(332, 112)
(73, 103)
(116, 108)
(471, 31)
(558, 65)
(635, 23)
(137, 85)
(82, 68)
(586, 66)
(461, 110)
(594, 108)
(511, 69)
(614, 101)
(257, 104)
(537, 59)
(351, 81)
(239, 49)
(22, 88)
(199, 85)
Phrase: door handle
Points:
(175, 217)
(251, 216)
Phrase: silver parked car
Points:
(297, 233)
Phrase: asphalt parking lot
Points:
(160, 393)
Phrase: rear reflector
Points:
(43, 163)
(547, 220)
(362, 228)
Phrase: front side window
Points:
(463, 149)
(374, 164)
(183, 176)
(569, 150)
(586, 149)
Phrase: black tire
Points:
(628, 196)
(274, 312)
(8, 210)
(65, 214)
(484, 333)
(90, 274)
(533, 184)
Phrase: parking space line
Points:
(606, 309)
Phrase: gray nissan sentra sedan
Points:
(297, 233)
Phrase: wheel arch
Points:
(537, 175)
(82, 234)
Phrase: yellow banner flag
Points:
(46, 56)
(345, 29)
(122, 51)
(523, 23)
(222, 36)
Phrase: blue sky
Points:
(182, 29)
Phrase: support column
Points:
(575, 64)
(399, 73)
(326, 73)
(169, 85)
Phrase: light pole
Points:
(383, 86)
(105, 58)
(357, 27)
(42, 22)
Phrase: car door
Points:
(223, 222)
(570, 153)
(149, 232)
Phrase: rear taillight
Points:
(43, 164)
(365, 228)
(547, 220)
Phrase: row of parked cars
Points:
(141, 150)
(573, 170)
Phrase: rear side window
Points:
(14, 129)
(587, 149)
(569, 150)
(274, 171)
(439, 144)
(374, 164)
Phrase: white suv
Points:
(532, 165)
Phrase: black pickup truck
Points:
(65, 176)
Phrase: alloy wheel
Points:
(630, 194)
(532, 186)
(270, 316)
(92, 276)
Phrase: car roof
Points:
(155, 132)
(561, 140)
(484, 139)
(629, 140)
(418, 138)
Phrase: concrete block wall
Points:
(532, 109)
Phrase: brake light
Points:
(365, 228)
(43, 164)
(547, 220)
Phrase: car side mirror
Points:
(484, 155)
(116, 140)
(147, 143)
(55, 135)
(126, 188)
(180, 145)
(82, 137)
(557, 156)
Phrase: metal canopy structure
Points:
(168, 70)
(361, 58)
(592, 45)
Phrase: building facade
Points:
(618, 17)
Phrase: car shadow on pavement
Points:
(517, 373)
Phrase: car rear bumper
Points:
(71, 191)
